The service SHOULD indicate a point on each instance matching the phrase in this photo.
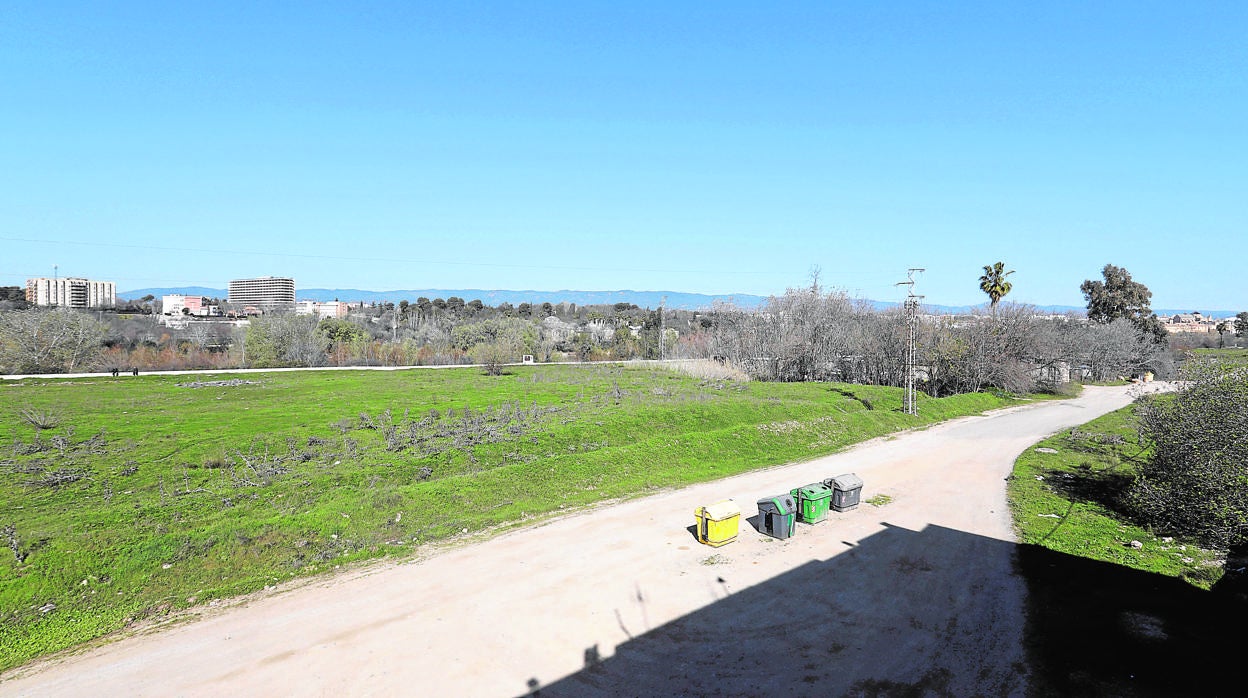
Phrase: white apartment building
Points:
(266, 292)
(71, 292)
(331, 309)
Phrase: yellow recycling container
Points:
(718, 523)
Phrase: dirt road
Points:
(919, 593)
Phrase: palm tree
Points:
(994, 284)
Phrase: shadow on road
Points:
(873, 620)
(931, 612)
(1097, 629)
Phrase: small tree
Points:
(1222, 328)
(494, 355)
(1241, 325)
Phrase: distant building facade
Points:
(199, 306)
(71, 292)
(266, 292)
(1191, 323)
(331, 309)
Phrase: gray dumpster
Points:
(777, 516)
(846, 490)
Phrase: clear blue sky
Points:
(703, 147)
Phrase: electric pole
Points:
(662, 330)
(911, 312)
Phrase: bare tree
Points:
(49, 341)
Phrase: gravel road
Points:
(917, 595)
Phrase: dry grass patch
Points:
(708, 369)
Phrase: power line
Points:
(341, 258)
(445, 262)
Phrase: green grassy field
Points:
(1229, 357)
(146, 495)
(1066, 501)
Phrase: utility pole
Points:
(911, 310)
(662, 330)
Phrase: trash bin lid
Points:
(722, 510)
(782, 504)
(815, 490)
(846, 482)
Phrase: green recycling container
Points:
(812, 502)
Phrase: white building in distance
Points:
(199, 306)
(71, 292)
(266, 292)
(322, 311)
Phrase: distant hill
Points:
(644, 299)
(183, 290)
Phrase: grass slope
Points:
(1066, 501)
(146, 495)
(1106, 617)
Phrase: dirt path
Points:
(919, 593)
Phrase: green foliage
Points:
(150, 495)
(993, 282)
(1196, 481)
(516, 335)
(1068, 494)
(1228, 358)
(15, 294)
(1118, 296)
(341, 331)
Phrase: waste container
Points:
(812, 502)
(846, 490)
(776, 516)
(717, 524)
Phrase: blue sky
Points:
(701, 147)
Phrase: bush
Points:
(1195, 482)
(493, 356)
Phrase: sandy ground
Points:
(919, 594)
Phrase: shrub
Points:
(1195, 482)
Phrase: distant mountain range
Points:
(644, 299)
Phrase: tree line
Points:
(805, 334)
(451, 331)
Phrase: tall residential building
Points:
(71, 293)
(265, 293)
